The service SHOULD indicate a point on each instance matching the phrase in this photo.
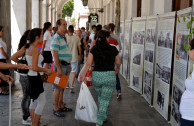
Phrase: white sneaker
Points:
(26, 122)
(72, 89)
(67, 86)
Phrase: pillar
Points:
(28, 14)
(35, 14)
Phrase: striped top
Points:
(59, 44)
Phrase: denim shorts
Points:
(74, 66)
(65, 70)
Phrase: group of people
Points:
(64, 50)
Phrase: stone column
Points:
(28, 14)
(40, 14)
(47, 10)
(35, 14)
(43, 13)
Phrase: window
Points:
(139, 8)
(181, 4)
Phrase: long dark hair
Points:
(46, 26)
(1, 27)
(23, 39)
(32, 35)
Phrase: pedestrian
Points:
(62, 58)
(3, 58)
(23, 78)
(111, 27)
(36, 90)
(187, 99)
(104, 57)
(75, 47)
(79, 32)
(46, 51)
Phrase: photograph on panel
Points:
(147, 91)
(165, 39)
(135, 81)
(148, 78)
(177, 94)
(150, 38)
(138, 37)
(137, 57)
(163, 72)
(180, 49)
(121, 29)
(160, 100)
(149, 55)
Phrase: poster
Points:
(137, 53)
(121, 36)
(163, 63)
(180, 64)
(149, 56)
(126, 50)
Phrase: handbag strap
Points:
(29, 50)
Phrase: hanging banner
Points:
(180, 63)
(150, 43)
(137, 53)
(122, 44)
(163, 63)
(126, 50)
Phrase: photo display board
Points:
(163, 63)
(126, 50)
(121, 36)
(149, 56)
(137, 53)
(180, 64)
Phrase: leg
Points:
(56, 99)
(118, 86)
(32, 115)
(60, 102)
(33, 105)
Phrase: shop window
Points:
(181, 4)
(139, 8)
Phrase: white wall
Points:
(18, 22)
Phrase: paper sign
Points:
(57, 79)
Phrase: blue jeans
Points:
(185, 122)
(26, 98)
(118, 86)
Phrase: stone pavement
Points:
(132, 110)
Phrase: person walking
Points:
(187, 99)
(36, 90)
(46, 51)
(104, 57)
(62, 58)
(23, 78)
(75, 46)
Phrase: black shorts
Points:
(47, 57)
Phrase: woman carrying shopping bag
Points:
(105, 57)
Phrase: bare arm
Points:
(4, 53)
(15, 57)
(118, 63)
(80, 52)
(93, 43)
(57, 62)
(88, 63)
(43, 45)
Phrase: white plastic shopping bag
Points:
(86, 108)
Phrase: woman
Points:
(36, 90)
(3, 58)
(187, 99)
(46, 51)
(23, 78)
(105, 57)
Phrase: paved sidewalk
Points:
(132, 110)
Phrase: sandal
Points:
(4, 93)
(58, 113)
(65, 109)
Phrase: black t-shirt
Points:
(104, 59)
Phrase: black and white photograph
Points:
(165, 39)
(148, 78)
(160, 100)
(135, 81)
(163, 72)
(180, 49)
(147, 91)
(177, 94)
(137, 57)
(150, 38)
(175, 112)
(138, 37)
(149, 55)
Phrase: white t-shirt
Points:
(48, 38)
(73, 43)
(92, 35)
(4, 46)
(187, 99)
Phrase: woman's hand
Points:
(117, 71)
(48, 72)
(8, 78)
(23, 66)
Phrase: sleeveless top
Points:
(187, 100)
